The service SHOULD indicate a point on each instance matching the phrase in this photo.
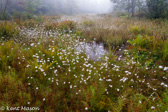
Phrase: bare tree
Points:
(129, 5)
(6, 4)
(3, 7)
(133, 7)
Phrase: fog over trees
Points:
(148, 8)
(95, 6)
(28, 8)
(62, 6)
(77, 6)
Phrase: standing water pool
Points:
(93, 50)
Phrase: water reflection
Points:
(93, 50)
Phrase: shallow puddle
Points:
(93, 50)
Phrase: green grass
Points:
(39, 67)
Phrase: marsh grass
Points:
(63, 26)
(40, 67)
(8, 30)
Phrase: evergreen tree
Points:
(157, 8)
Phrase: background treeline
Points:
(142, 8)
(26, 9)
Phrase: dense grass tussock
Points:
(8, 30)
(40, 67)
(117, 31)
(64, 26)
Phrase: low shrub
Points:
(137, 30)
(8, 30)
(32, 23)
(64, 26)
(4, 16)
(150, 47)
(88, 23)
(67, 26)
(123, 14)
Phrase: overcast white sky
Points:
(96, 6)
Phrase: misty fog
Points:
(95, 6)
(77, 6)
